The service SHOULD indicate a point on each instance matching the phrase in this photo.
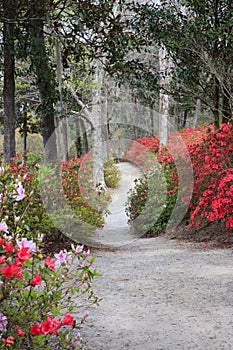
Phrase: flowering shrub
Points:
(150, 202)
(212, 162)
(37, 298)
(138, 153)
(213, 173)
(87, 202)
(42, 182)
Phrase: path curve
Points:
(116, 231)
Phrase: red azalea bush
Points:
(138, 150)
(213, 174)
(211, 157)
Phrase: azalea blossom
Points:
(61, 256)
(3, 321)
(10, 270)
(25, 243)
(36, 280)
(35, 329)
(23, 254)
(87, 313)
(9, 341)
(50, 325)
(19, 331)
(86, 253)
(77, 249)
(68, 320)
(40, 237)
(20, 192)
(50, 263)
(3, 227)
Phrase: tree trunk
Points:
(65, 138)
(197, 112)
(62, 107)
(97, 121)
(164, 116)
(24, 139)
(46, 85)
(78, 143)
(226, 106)
(9, 80)
(165, 66)
(184, 119)
(216, 103)
(98, 163)
(84, 136)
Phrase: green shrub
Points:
(111, 174)
(151, 202)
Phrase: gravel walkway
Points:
(161, 294)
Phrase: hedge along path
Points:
(161, 294)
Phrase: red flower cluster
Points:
(211, 153)
(12, 268)
(51, 325)
(213, 173)
(139, 150)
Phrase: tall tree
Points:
(9, 15)
(199, 37)
(45, 75)
(165, 66)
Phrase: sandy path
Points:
(161, 294)
(116, 231)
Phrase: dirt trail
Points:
(161, 294)
(116, 231)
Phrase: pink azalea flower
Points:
(20, 192)
(77, 249)
(82, 263)
(3, 321)
(87, 313)
(61, 256)
(26, 244)
(40, 237)
(68, 320)
(3, 227)
(86, 253)
(8, 341)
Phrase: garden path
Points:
(116, 231)
(159, 294)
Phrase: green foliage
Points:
(150, 204)
(111, 174)
(198, 37)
